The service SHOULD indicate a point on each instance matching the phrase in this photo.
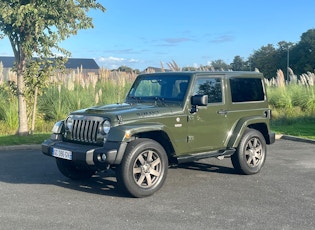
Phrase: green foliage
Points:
(72, 92)
(302, 55)
(8, 109)
(264, 59)
(58, 101)
(301, 126)
(219, 65)
(292, 101)
(239, 64)
(35, 28)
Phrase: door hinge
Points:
(190, 138)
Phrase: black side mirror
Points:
(198, 100)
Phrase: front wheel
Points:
(143, 169)
(250, 155)
(70, 170)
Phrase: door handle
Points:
(222, 112)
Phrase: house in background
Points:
(86, 66)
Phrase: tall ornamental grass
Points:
(8, 111)
(66, 93)
(292, 99)
(58, 100)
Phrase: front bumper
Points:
(110, 153)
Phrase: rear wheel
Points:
(250, 155)
(143, 169)
(70, 170)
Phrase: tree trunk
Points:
(20, 62)
(23, 127)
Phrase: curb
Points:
(20, 147)
(294, 138)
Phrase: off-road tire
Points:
(143, 169)
(251, 153)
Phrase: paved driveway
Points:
(202, 195)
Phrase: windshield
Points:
(159, 87)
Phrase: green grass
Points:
(299, 128)
(9, 140)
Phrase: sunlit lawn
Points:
(20, 140)
(300, 129)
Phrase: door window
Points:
(211, 87)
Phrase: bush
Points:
(8, 110)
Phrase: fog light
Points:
(101, 157)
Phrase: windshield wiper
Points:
(159, 99)
(137, 99)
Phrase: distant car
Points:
(167, 118)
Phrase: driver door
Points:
(207, 128)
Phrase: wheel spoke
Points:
(137, 170)
(258, 155)
(247, 153)
(258, 149)
(156, 162)
(250, 160)
(141, 179)
(149, 181)
(255, 144)
(155, 172)
(150, 154)
(250, 144)
(141, 159)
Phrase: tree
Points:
(264, 59)
(36, 74)
(238, 64)
(302, 55)
(124, 68)
(34, 28)
(219, 65)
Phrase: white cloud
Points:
(132, 60)
(114, 62)
(110, 59)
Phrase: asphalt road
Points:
(202, 195)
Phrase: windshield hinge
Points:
(119, 118)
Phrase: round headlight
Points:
(106, 127)
(69, 123)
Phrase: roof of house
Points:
(7, 62)
(72, 63)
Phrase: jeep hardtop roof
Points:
(226, 73)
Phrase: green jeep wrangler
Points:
(167, 118)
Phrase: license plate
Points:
(60, 153)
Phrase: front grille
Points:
(85, 130)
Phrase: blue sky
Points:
(144, 33)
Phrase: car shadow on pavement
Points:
(103, 183)
(30, 167)
(206, 167)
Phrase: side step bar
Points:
(199, 156)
